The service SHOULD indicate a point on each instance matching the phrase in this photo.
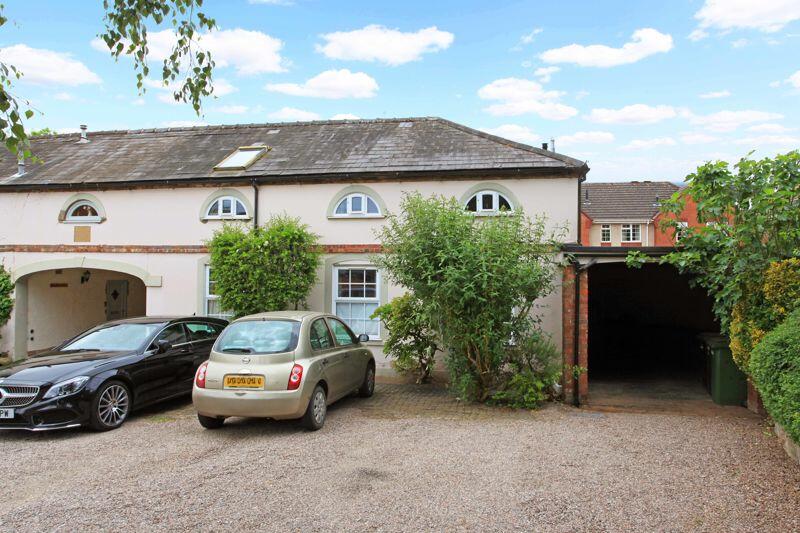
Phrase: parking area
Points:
(409, 458)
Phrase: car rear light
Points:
(295, 377)
(200, 378)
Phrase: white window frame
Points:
(208, 297)
(350, 212)
(605, 228)
(480, 210)
(74, 219)
(335, 298)
(230, 216)
(258, 151)
(629, 229)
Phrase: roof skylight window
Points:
(243, 157)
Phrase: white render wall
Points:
(171, 217)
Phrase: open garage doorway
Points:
(64, 302)
(643, 347)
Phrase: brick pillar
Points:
(568, 328)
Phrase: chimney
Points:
(84, 138)
(552, 145)
(544, 146)
(20, 165)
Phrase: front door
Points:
(116, 299)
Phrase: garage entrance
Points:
(643, 327)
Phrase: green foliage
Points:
(411, 342)
(636, 259)
(6, 302)
(775, 369)
(749, 217)
(264, 269)
(782, 287)
(532, 370)
(42, 132)
(476, 278)
(126, 34)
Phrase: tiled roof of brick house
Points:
(625, 200)
(299, 152)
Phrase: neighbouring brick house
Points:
(627, 213)
(114, 223)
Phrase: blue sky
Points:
(642, 90)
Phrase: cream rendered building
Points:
(114, 224)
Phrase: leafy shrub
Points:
(476, 278)
(775, 369)
(531, 373)
(411, 342)
(782, 286)
(268, 268)
(6, 302)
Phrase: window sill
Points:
(84, 222)
(226, 219)
(355, 217)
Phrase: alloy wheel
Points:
(370, 380)
(319, 407)
(112, 409)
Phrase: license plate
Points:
(244, 382)
(6, 413)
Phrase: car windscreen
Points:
(259, 337)
(119, 337)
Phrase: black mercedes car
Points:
(98, 377)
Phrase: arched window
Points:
(226, 207)
(488, 202)
(357, 205)
(83, 211)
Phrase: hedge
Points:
(775, 369)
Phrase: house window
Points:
(226, 207)
(355, 298)
(242, 158)
(605, 233)
(83, 211)
(488, 202)
(211, 305)
(356, 205)
(631, 233)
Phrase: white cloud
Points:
(774, 84)
(632, 114)
(740, 43)
(184, 123)
(698, 35)
(291, 114)
(345, 116)
(42, 66)
(725, 121)
(249, 52)
(138, 101)
(775, 141)
(385, 45)
(698, 138)
(518, 97)
(168, 98)
(586, 137)
(231, 109)
(716, 94)
(646, 144)
(63, 97)
(644, 42)
(332, 84)
(580, 95)
(529, 37)
(770, 127)
(515, 132)
(765, 15)
(545, 74)
(794, 80)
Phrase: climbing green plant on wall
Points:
(6, 302)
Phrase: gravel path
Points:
(407, 459)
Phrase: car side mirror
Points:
(163, 346)
(363, 337)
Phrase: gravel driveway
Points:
(408, 459)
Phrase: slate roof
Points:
(624, 200)
(300, 151)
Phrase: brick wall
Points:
(569, 324)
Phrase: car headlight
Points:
(64, 388)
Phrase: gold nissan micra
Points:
(282, 365)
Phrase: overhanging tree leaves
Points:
(125, 33)
(268, 268)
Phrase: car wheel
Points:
(317, 410)
(110, 406)
(210, 422)
(368, 385)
